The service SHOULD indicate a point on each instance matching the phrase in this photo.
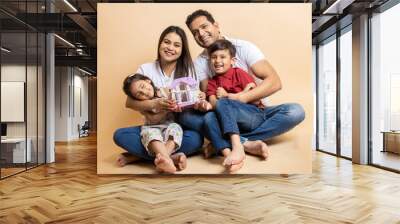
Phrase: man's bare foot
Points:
(164, 164)
(258, 148)
(126, 158)
(236, 156)
(208, 151)
(179, 160)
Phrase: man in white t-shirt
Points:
(278, 119)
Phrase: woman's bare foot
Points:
(208, 151)
(258, 148)
(126, 158)
(164, 164)
(179, 160)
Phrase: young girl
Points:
(160, 135)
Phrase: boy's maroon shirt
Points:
(233, 81)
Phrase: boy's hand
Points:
(221, 92)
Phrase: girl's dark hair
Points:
(184, 65)
(198, 13)
(222, 45)
(133, 78)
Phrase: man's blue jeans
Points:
(129, 139)
(255, 123)
(261, 124)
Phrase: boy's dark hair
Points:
(198, 13)
(222, 45)
(131, 79)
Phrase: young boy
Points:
(229, 82)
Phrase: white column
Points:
(360, 90)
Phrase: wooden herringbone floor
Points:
(69, 191)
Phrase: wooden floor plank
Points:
(70, 191)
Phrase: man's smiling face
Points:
(205, 33)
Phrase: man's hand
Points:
(236, 96)
(203, 106)
(221, 92)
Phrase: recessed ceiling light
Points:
(64, 40)
(71, 6)
(5, 50)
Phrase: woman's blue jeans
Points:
(129, 139)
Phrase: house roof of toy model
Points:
(186, 80)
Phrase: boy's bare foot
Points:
(235, 167)
(235, 157)
(258, 148)
(208, 151)
(126, 158)
(164, 164)
(179, 160)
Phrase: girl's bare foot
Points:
(258, 148)
(208, 151)
(179, 160)
(126, 158)
(164, 164)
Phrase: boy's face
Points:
(221, 61)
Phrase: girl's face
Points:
(142, 90)
(170, 48)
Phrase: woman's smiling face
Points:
(170, 48)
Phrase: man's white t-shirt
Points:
(247, 54)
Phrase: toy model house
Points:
(185, 91)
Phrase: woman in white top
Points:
(173, 61)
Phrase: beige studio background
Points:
(128, 36)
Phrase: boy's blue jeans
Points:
(235, 117)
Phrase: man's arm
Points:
(271, 82)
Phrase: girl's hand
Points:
(163, 104)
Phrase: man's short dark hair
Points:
(222, 45)
(198, 13)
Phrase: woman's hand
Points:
(202, 96)
(221, 92)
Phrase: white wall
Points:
(71, 94)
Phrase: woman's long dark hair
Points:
(184, 65)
